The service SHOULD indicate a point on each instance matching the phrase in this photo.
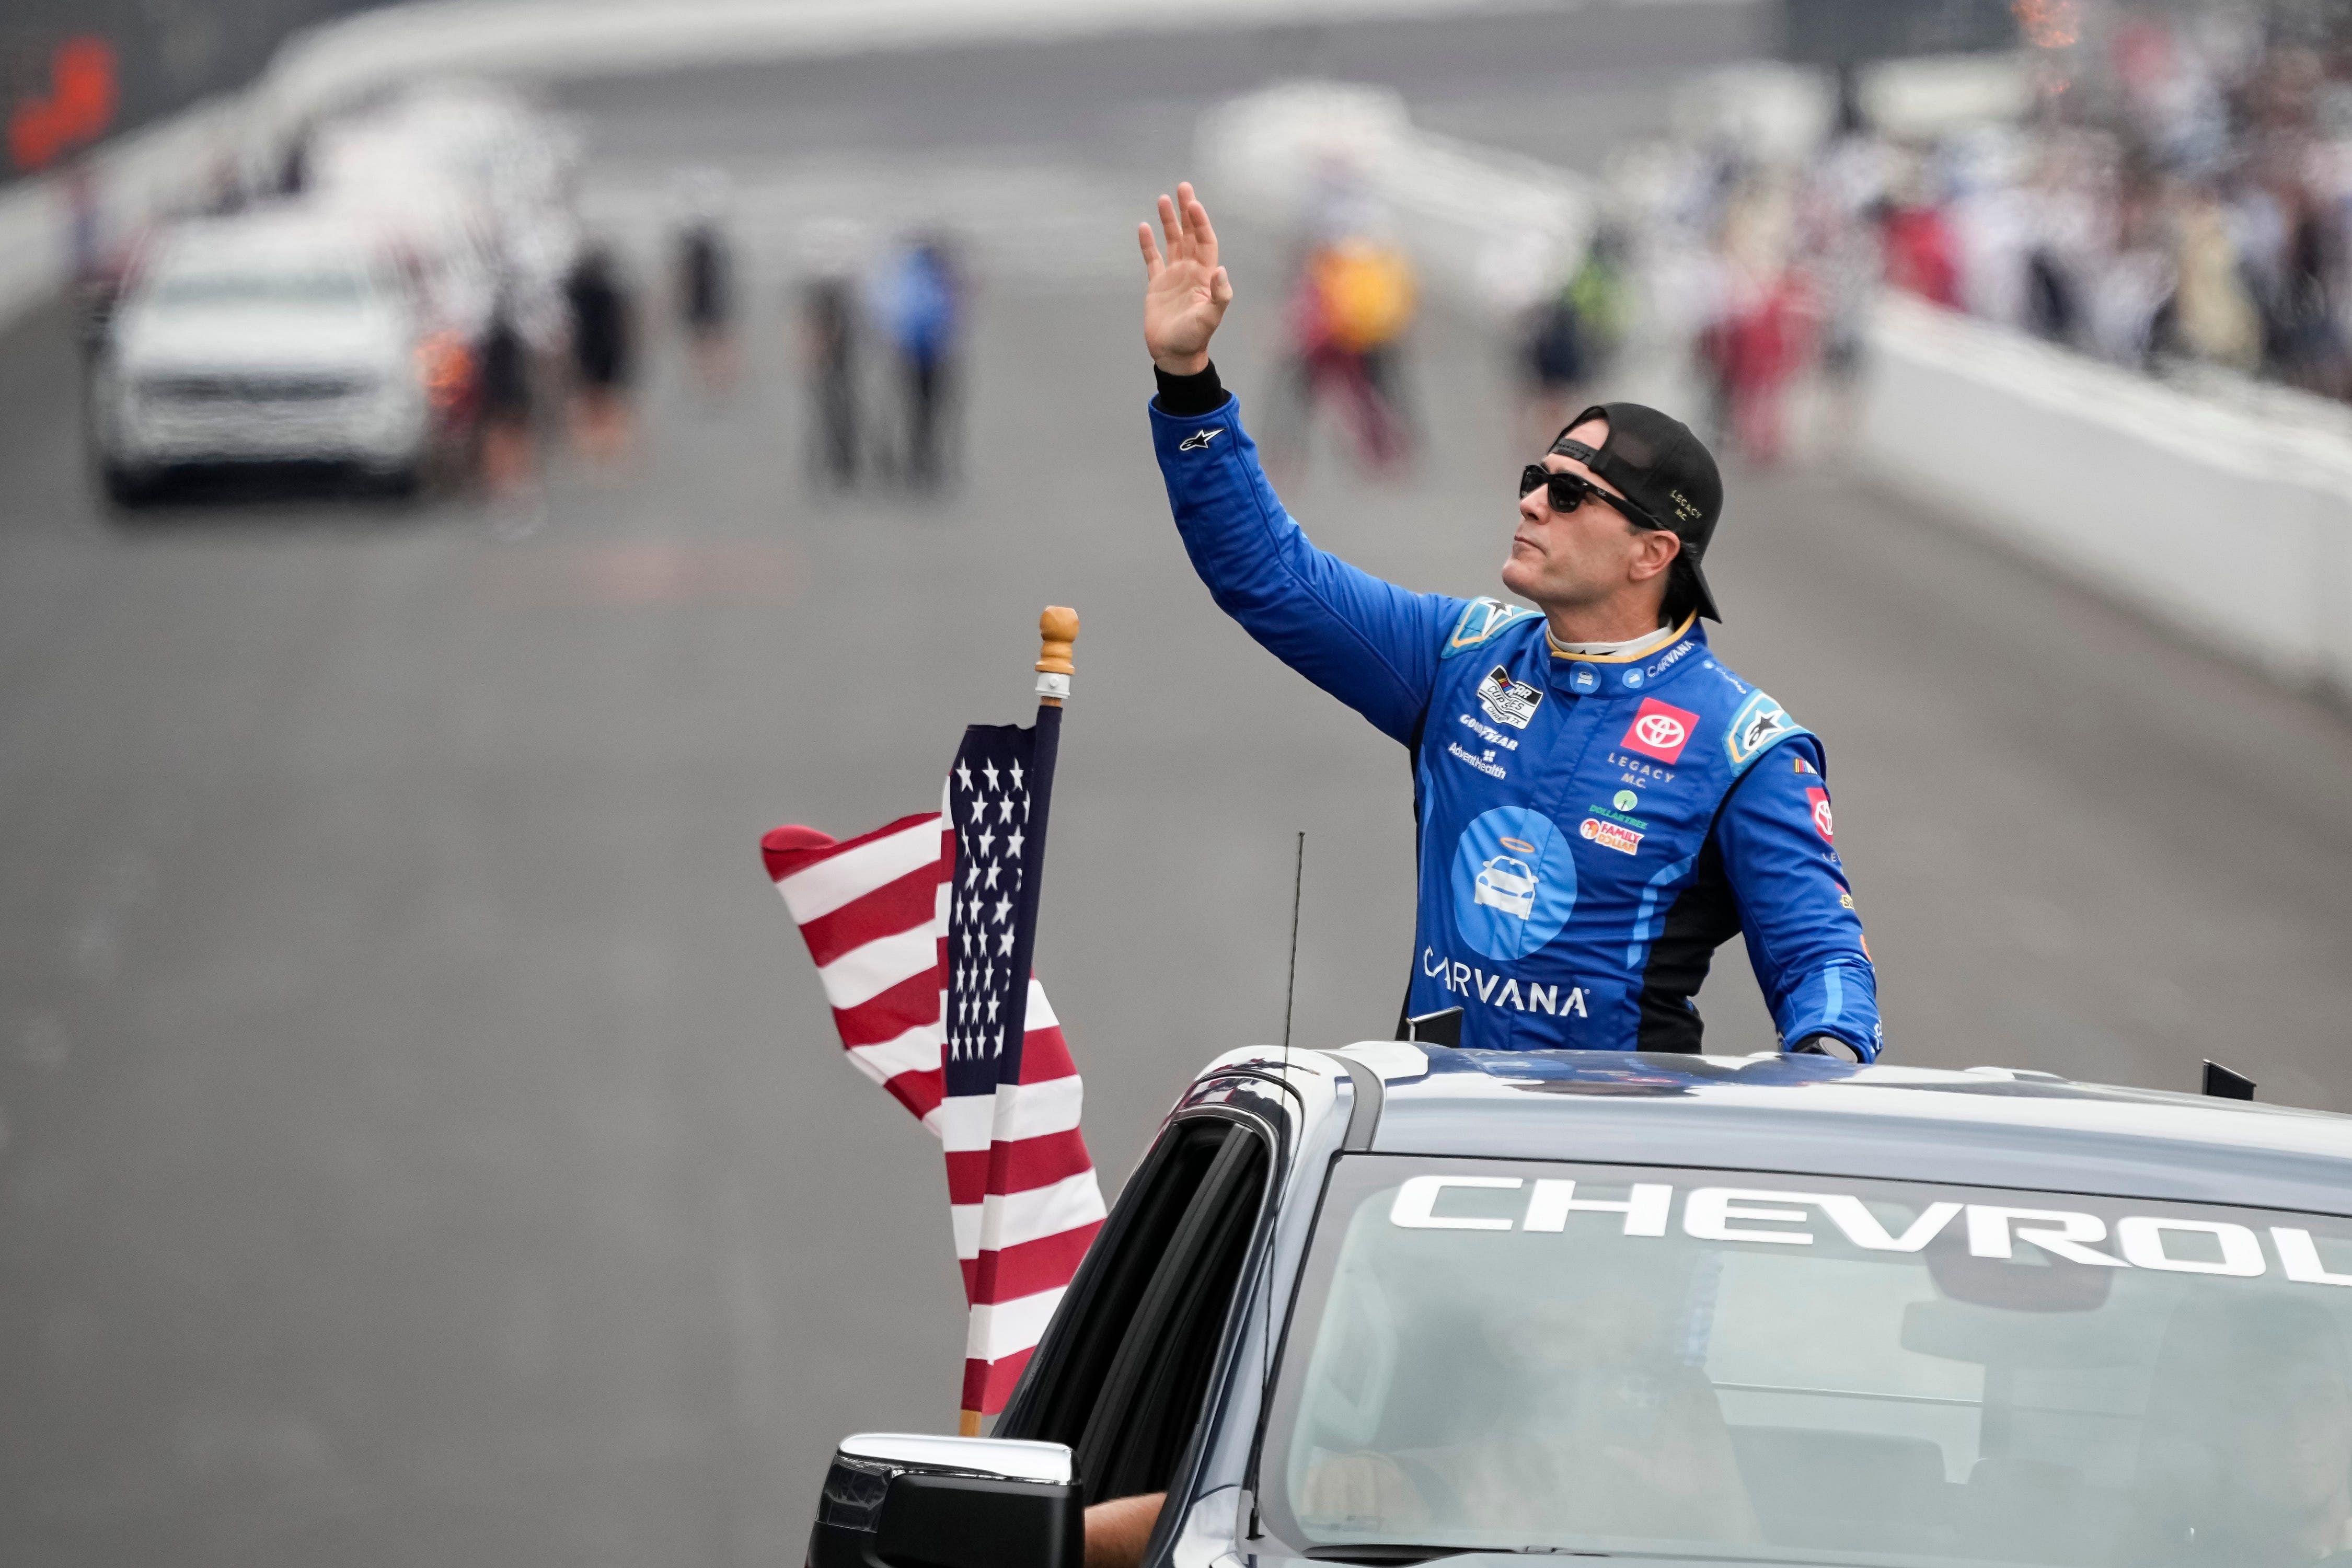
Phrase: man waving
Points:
(1602, 803)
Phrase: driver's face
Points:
(1564, 560)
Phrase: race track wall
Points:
(2232, 524)
(172, 164)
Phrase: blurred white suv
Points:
(270, 337)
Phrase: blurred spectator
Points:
(829, 340)
(830, 349)
(1757, 343)
(1920, 255)
(707, 302)
(2213, 315)
(1843, 263)
(706, 282)
(1353, 302)
(917, 299)
(2181, 195)
(2306, 327)
(509, 456)
(97, 276)
(602, 353)
(1574, 336)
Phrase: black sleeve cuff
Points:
(1183, 394)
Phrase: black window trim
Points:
(1020, 1415)
(1153, 1382)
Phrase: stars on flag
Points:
(990, 800)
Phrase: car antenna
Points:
(1290, 993)
(1289, 1000)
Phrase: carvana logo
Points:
(1513, 882)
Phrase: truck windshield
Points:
(315, 289)
(1722, 1364)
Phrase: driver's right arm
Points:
(1370, 644)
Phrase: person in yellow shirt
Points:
(1349, 314)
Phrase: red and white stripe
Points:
(1022, 1189)
(873, 912)
(1022, 1197)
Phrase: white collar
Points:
(1625, 650)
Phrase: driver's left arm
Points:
(1778, 844)
(1119, 1531)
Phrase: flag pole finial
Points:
(1057, 629)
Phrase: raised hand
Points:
(1186, 292)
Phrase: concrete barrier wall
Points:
(151, 174)
(2231, 523)
(134, 180)
(582, 38)
(1491, 229)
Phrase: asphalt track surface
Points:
(422, 1138)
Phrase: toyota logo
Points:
(1822, 818)
(1658, 729)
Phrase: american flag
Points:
(921, 932)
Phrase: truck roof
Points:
(1998, 1127)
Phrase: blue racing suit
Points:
(1592, 829)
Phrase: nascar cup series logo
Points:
(1513, 882)
(1508, 701)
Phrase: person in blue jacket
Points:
(1602, 803)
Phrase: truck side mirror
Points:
(897, 1499)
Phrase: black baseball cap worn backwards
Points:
(1666, 471)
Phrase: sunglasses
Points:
(1567, 492)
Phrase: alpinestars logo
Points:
(1198, 439)
(1758, 723)
(1508, 701)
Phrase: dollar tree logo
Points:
(1626, 800)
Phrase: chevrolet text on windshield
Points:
(1783, 1218)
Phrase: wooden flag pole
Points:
(1057, 629)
